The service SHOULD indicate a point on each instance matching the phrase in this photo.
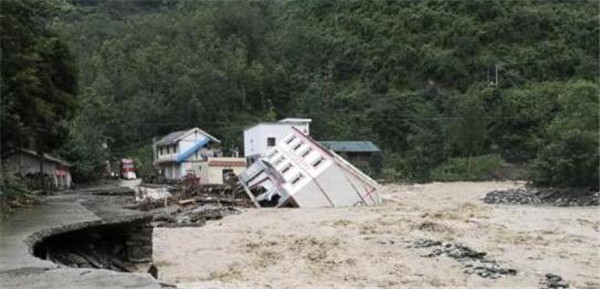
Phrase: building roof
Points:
(177, 135)
(34, 154)
(172, 137)
(351, 146)
(295, 120)
(285, 121)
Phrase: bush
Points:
(478, 168)
(570, 157)
(394, 168)
(11, 188)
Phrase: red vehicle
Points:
(128, 169)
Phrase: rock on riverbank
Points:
(551, 196)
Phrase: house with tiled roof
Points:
(180, 153)
(197, 153)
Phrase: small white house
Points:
(180, 153)
(260, 137)
(300, 172)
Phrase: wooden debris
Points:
(186, 202)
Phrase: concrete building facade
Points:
(263, 136)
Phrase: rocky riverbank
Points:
(473, 262)
(562, 197)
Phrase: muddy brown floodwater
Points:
(369, 246)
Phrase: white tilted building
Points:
(260, 137)
(300, 172)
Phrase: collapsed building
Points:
(300, 172)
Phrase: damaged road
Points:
(22, 237)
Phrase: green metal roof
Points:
(350, 146)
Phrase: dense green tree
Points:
(87, 141)
(570, 156)
(426, 80)
(38, 77)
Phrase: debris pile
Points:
(191, 216)
(553, 281)
(187, 206)
(552, 196)
(150, 197)
(473, 261)
(20, 201)
(90, 257)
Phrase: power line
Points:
(233, 124)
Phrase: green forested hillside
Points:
(426, 80)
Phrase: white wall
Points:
(255, 138)
(325, 179)
(213, 175)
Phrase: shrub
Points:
(570, 157)
(478, 168)
(394, 168)
(11, 188)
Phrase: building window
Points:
(278, 161)
(297, 179)
(318, 162)
(161, 151)
(287, 168)
(168, 149)
(272, 154)
(298, 146)
(293, 137)
(270, 141)
(175, 149)
(306, 152)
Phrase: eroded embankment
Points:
(122, 244)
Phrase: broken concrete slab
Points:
(152, 194)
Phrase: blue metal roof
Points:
(190, 151)
(351, 146)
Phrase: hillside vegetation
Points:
(430, 82)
